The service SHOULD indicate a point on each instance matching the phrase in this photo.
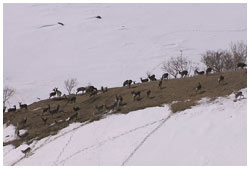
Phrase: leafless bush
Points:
(70, 84)
(7, 94)
(213, 59)
(224, 60)
(239, 52)
(174, 65)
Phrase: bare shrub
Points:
(7, 94)
(239, 52)
(70, 84)
(174, 65)
(224, 60)
(214, 60)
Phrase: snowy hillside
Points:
(129, 40)
(212, 133)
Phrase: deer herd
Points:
(118, 101)
(92, 91)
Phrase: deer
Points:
(58, 92)
(127, 83)
(46, 108)
(241, 65)
(183, 73)
(76, 108)
(238, 94)
(118, 99)
(55, 110)
(220, 79)
(52, 93)
(99, 107)
(93, 93)
(111, 107)
(152, 77)
(23, 106)
(209, 70)
(80, 89)
(199, 73)
(198, 87)
(164, 76)
(104, 89)
(134, 94)
(12, 109)
(160, 84)
(90, 89)
(144, 80)
(26, 151)
(148, 93)
(73, 116)
(44, 119)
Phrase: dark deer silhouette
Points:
(52, 93)
(135, 94)
(111, 107)
(93, 93)
(80, 89)
(209, 70)
(198, 87)
(26, 151)
(76, 108)
(127, 83)
(238, 94)
(119, 100)
(12, 109)
(144, 80)
(152, 77)
(52, 112)
(148, 93)
(199, 73)
(73, 116)
(58, 92)
(23, 106)
(220, 79)
(90, 89)
(183, 73)
(104, 89)
(99, 107)
(241, 65)
(160, 84)
(46, 108)
(44, 119)
(164, 76)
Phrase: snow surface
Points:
(130, 40)
(212, 133)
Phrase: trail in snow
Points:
(112, 138)
(145, 139)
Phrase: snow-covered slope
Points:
(129, 40)
(212, 133)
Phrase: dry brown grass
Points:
(180, 90)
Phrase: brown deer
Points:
(183, 73)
